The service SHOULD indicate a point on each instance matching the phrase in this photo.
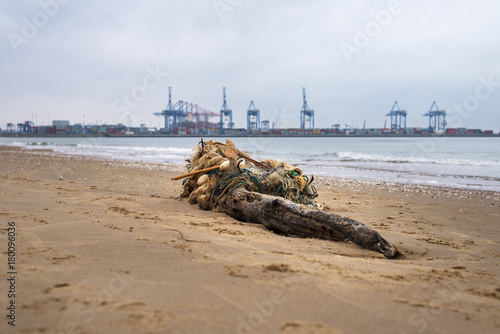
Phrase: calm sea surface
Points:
(472, 163)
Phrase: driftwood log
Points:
(281, 215)
(292, 219)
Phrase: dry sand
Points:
(108, 247)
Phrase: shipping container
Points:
(60, 124)
(44, 130)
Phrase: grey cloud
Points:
(91, 52)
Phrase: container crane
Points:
(306, 112)
(398, 118)
(437, 118)
(253, 117)
(225, 111)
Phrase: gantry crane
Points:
(253, 117)
(398, 118)
(437, 118)
(225, 111)
(306, 112)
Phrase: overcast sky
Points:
(113, 61)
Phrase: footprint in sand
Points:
(132, 306)
(302, 327)
(281, 267)
(61, 259)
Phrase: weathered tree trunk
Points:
(292, 219)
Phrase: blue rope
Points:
(229, 193)
(213, 172)
(277, 191)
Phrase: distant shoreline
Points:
(251, 135)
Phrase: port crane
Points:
(306, 112)
(349, 128)
(176, 114)
(253, 117)
(437, 118)
(225, 111)
(398, 118)
(276, 119)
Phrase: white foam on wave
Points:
(363, 157)
(471, 165)
(133, 153)
(138, 149)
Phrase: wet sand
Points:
(108, 247)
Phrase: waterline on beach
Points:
(472, 163)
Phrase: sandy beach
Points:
(107, 246)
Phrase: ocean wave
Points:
(363, 157)
(466, 164)
(26, 144)
(138, 149)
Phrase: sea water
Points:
(463, 162)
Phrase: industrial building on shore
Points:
(184, 118)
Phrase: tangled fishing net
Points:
(210, 189)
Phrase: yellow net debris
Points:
(269, 176)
